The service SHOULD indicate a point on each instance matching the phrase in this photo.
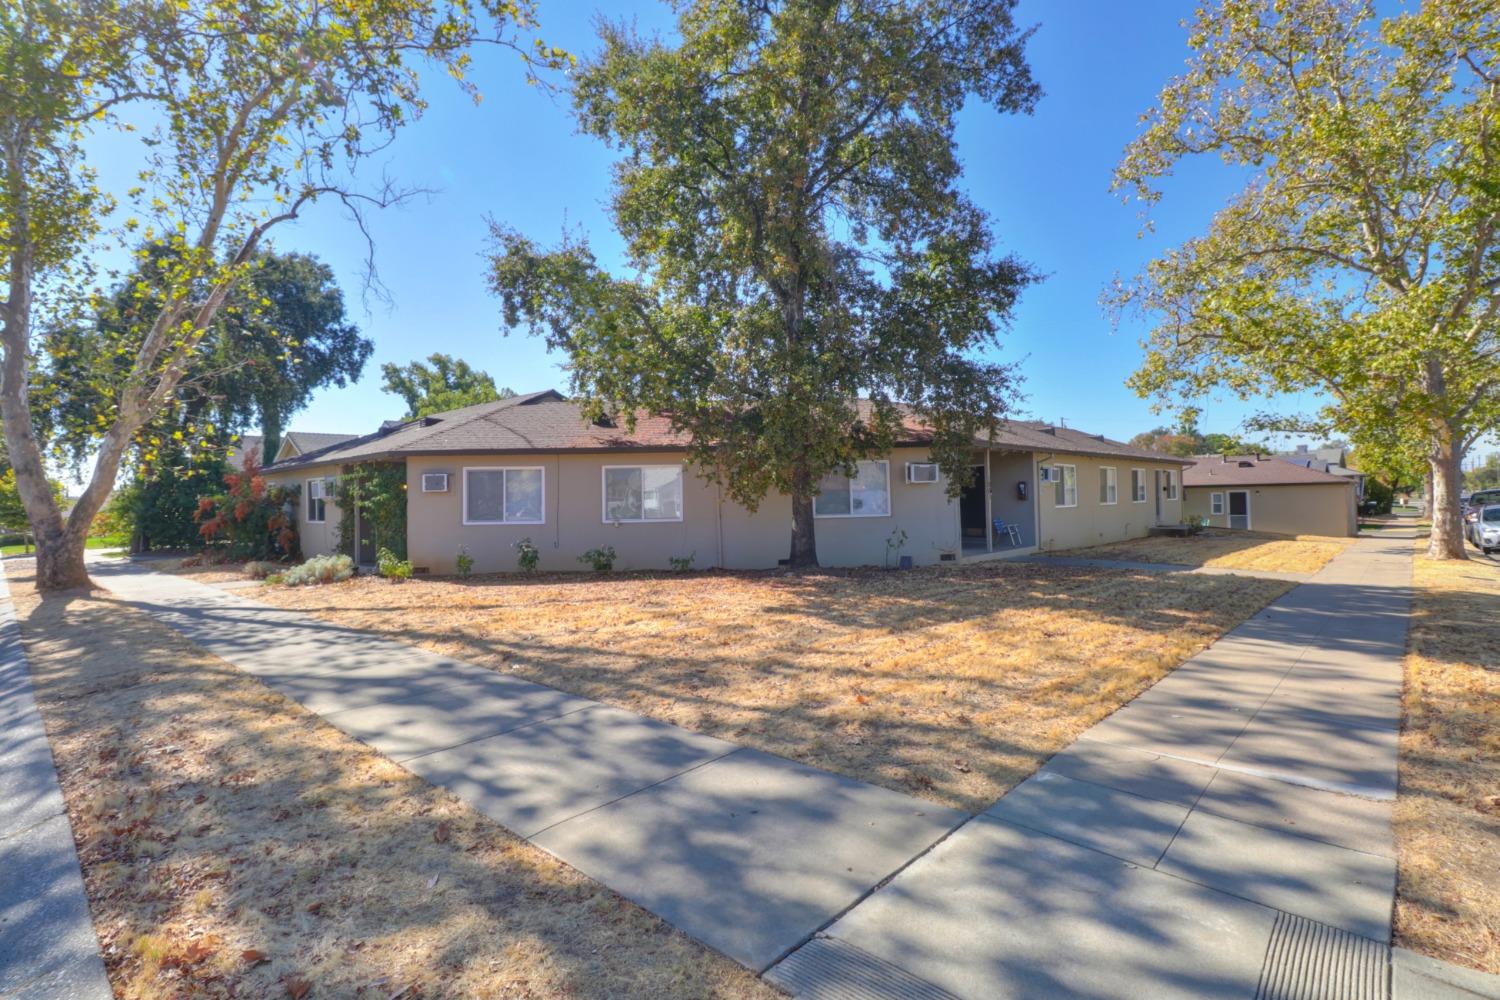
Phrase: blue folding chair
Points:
(1008, 531)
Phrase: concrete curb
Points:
(48, 948)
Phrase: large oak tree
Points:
(242, 116)
(1362, 257)
(788, 193)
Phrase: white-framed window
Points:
(1066, 491)
(1109, 486)
(1216, 503)
(1171, 484)
(865, 494)
(1137, 485)
(642, 493)
(317, 501)
(505, 494)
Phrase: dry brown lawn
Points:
(233, 845)
(1226, 550)
(1448, 806)
(952, 684)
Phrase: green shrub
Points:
(683, 563)
(318, 569)
(465, 561)
(388, 565)
(527, 555)
(602, 559)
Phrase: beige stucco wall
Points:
(316, 539)
(1007, 468)
(715, 531)
(1092, 522)
(1302, 509)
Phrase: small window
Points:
(1109, 487)
(642, 493)
(504, 496)
(317, 501)
(1137, 485)
(866, 494)
(1216, 503)
(1171, 484)
(1066, 491)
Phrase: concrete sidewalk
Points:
(749, 853)
(48, 948)
(1227, 834)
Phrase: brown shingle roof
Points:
(1254, 470)
(547, 422)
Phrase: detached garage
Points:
(1260, 493)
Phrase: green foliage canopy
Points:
(247, 114)
(442, 383)
(1362, 258)
(788, 194)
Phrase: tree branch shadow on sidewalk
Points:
(214, 818)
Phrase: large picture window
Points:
(865, 494)
(642, 493)
(504, 496)
(317, 501)
(1066, 491)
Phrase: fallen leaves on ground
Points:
(1447, 827)
(888, 677)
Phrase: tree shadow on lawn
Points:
(214, 817)
(953, 690)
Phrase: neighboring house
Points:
(249, 444)
(483, 477)
(1330, 460)
(295, 443)
(1268, 494)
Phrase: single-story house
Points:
(1333, 461)
(293, 443)
(481, 478)
(1264, 493)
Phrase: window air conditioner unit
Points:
(1044, 473)
(434, 482)
(921, 472)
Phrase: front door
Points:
(364, 539)
(971, 506)
(1239, 509)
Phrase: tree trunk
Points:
(59, 559)
(270, 429)
(804, 553)
(1447, 538)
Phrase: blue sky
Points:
(1044, 179)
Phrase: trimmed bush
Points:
(318, 569)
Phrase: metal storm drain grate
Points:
(828, 969)
(1307, 960)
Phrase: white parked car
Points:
(1484, 530)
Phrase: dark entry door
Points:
(971, 506)
(1239, 509)
(364, 540)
